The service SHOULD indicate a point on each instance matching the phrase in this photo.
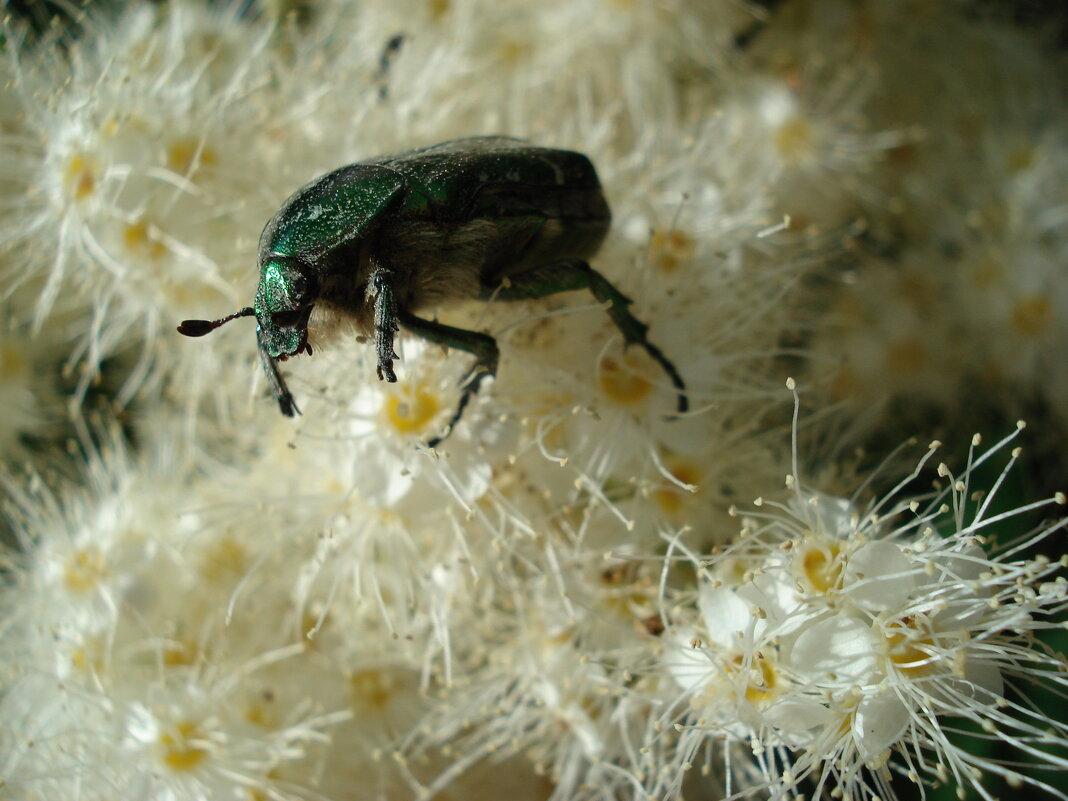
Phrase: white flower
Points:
(124, 665)
(557, 603)
(730, 669)
(392, 423)
(139, 168)
(878, 627)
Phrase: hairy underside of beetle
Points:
(433, 264)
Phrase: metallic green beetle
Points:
(377, 241)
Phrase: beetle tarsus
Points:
(386, 373)
(471, 382)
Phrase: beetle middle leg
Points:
(482, 346)
(572, 274)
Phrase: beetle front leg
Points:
(482, 346)
(572, 274)
(381, 286)
(274, 379)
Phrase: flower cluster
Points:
(839, 641)
(204, 599)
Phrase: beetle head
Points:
(284, 300)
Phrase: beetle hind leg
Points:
(482, 346)
(573, 274)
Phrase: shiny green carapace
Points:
(380, 241)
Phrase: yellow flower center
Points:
(762, 680)
(224, 560)
(84, 570)
(179, 750)
(185, 155)
(1032, 315)
(670, 249)
(820, 565)
(909, 646)
(372, 688)
(795, 140)
(180, 653)
(411, 412)
(140, 241)
(1020, 158)
(671, 497)
(80, 176)
(622, 383)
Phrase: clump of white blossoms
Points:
(204, 599)
(955, 279)
(842, 642)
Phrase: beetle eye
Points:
(286, 319)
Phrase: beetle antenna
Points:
(198, 328)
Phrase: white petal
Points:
(837, 652)
(468, 474)
(728, 617)
(965, 565)
(826, 514)
(956, 575)
(775, 595)
(879, 577)
(878, 723)
(383, 482)
(982, 685)
(797, 720)
(583, 729)
(984, 674)
(690, 667)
